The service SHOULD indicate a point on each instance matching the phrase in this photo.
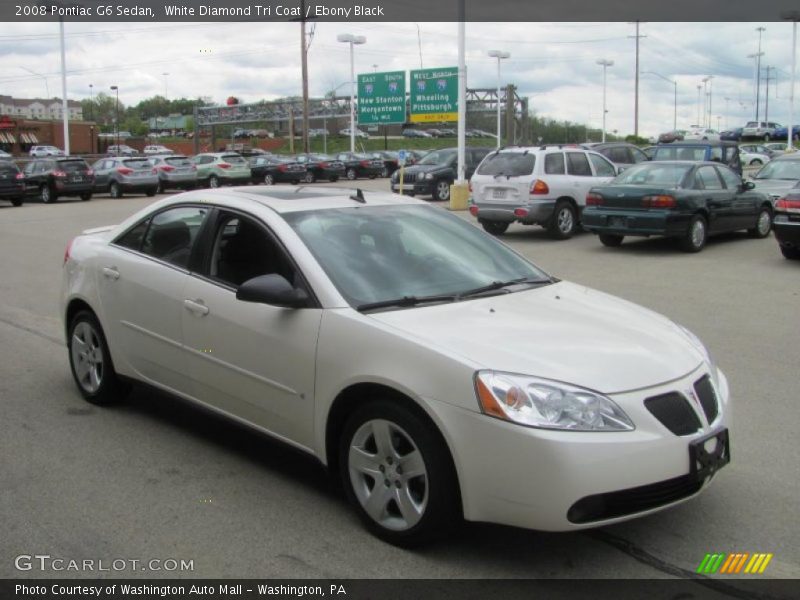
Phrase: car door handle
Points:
(196, 307)
(110, 273)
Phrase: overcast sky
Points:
(554, 65)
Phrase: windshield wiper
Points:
(406, 301)
(498, 285)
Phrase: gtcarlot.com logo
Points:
(45, 562)
(735, 563)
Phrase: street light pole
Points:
(352, 40)
(499, 55)
(760, 30)
(793, 16)
(605, 64)
(699, 87)
(115, 88)
(64, 102)
(91, 100)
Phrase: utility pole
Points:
(699, 88)
(705, 103)
(760, 30)
(304, 70)
(710, 107)
(636, 92)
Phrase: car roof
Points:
(698, 143)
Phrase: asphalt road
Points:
(156, 479)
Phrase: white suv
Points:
(544, 185)
(760, 129)
(40, 151)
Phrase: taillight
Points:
(59, 174)
(473, 210)
(124, 171)
(660, 201)
(154, 171)
(224, 166)
(593, 199)
(19, 176)
(167, 168)
(520, 212)
(539, 187)
(365, 163)
(89, 172)
(788, 205)
(67, 250)
(282, 168)
(324, 165)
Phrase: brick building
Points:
(17, 135)
(39, 109)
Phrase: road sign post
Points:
(382, 98)
(401, 158)
(434, 95)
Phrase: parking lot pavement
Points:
(153, 478)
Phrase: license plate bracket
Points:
(704, 463)
(498, 194)
(618, 222)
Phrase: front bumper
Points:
(417, 188)
(543, 479)
(536, 211)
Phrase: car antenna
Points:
(358, 196)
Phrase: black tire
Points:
(213, 181)
(269, 179)
(441, 190)
(114, 190)
(351, 174)
(17, 201)
(86, 196)
(696, 235)
(433, 495)
(385, 172)
(495, 227)
(47, 194)
(106, 388)
(309, 177)
(564, 221)
(152, 192)
(160, 188)
(611, 240)
(790, 252)
(334, 179)
(763, 224)
(766, 137)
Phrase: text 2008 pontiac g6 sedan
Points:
(439, 373)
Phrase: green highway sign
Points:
(434, 95)
(382, 98)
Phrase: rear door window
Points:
(171, 234)
(707, 179)
(508, 164)
(554, 163)
(731, 179)
(602, 168)
(578, 164)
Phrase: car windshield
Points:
(653, 174)
(509, 164)
(379, 253)
(437, 158)
(780, 169)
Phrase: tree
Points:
(102, 109)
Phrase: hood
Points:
(563, 331)
(416, 169)
(777, 187)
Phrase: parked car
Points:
(54, 177)
(435, 172)
(543, 185)
(679, 199)
(702, 133)
(447, 132)
(726, 153)
(753, 159)
(41, 151)
(174, 171)
(731, 135)
(763, 149)
(390, 159)
(359, 134)
(649, 151)
(221, 168)
(320, 166)
(276, 169)
(622, 154)
(5, 155)
(121, 150)
(764, 130)
(434, 132)
(778, 148)
(779, 177)
(782, 133)
(124, 175)
(410, 353)
(786, 224)
(415, 133)
(672, 136)
(360, 165)
(156, 149)
(315, 133)
(12, 183)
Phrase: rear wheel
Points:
(351, 174)
(47, 194)
(160, 188)
(766, 137)
(152, 192)
(763, 224)
(334, 179)
(441, 190)
(213, 181)
(17, 201)
(86, 196)
(385, 172)
(396, 472)
(790, 252)
(90, 361)
(114, 190)
(696, 235)
(564, 221)
(269, 179)
(495, 227)
(309, 177)
(611, 240)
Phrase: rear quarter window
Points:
(578, 164)
(554, 164)
(509, 164)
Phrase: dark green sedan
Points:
(680, 199)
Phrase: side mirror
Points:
(748, 185)
(272, 289)
(621, 168)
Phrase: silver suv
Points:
(763, 130)
(544, 186)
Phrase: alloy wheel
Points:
(86, 351)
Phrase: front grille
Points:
(408, 178)
(674, 412)
(708, 398)
(626, 502)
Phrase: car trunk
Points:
(629, 197)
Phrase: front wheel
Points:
(766, 137)
(351, 174)
(495, 227)
(611, 240)
(90, 360)
(213, 181)
(696, 235)
(114, 190)
(47, 194)
(86, 196)
(152, 192)
(441, 190)
(309, 177)
(763, 224)
(397, 473)
(269, 179)
(564, 221)
(17, 201)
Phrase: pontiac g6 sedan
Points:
(437, 372)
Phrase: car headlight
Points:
(547, 404)
(428, 175)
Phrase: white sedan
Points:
(436, 371)
(702, 133)
(753, 159)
